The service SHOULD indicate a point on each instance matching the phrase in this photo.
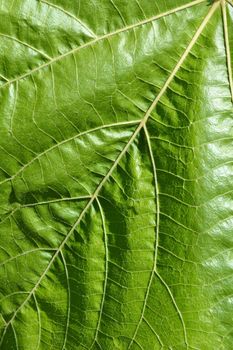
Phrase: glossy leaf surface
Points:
(116, 175)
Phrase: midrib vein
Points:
(227, 46)
(116, 162)
(102, 37)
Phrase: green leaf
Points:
(116, 175)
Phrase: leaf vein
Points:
(180, 8)
(65, 141)
(39, 322)
(70, 15)
(156, 235)
(175, 305)
(69, 296)
(106, 273)
(121, 154)
(227, 46)
(27, 45)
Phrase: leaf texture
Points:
(116, 175)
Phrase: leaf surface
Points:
(116, 175)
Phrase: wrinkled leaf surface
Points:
(116, 175)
